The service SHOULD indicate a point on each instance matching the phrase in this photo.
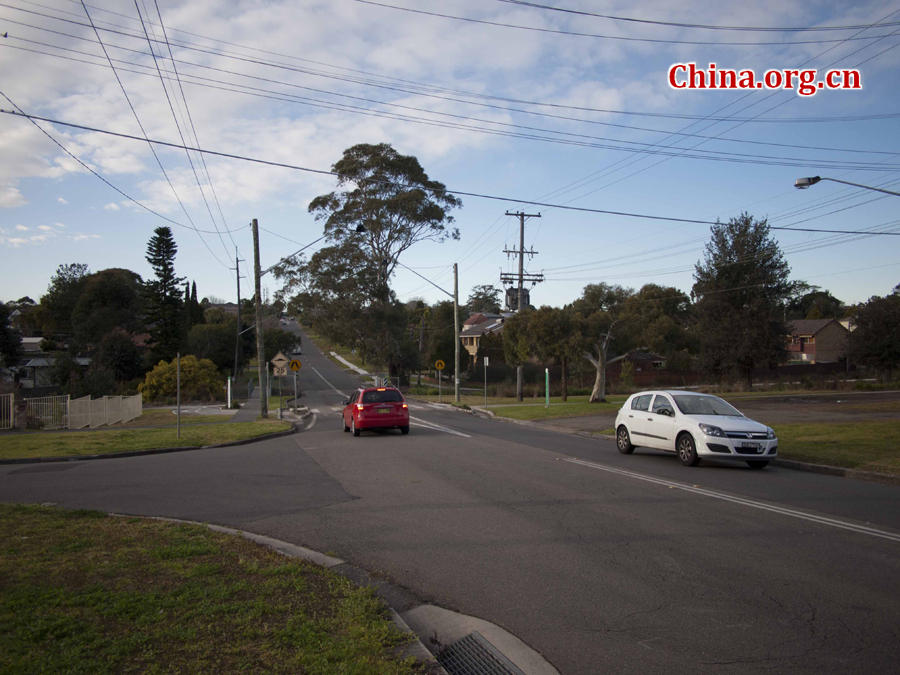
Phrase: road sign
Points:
(278, 371)
(439, 364)
(485, 362)
(295, 365)
(279, 360)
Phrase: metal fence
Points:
(47, 412)
(132, 407)
(98, 412)
(7, 411)
(80, 412)
(113, 409)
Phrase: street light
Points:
(803, 183)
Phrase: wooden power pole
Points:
(520, 370)
(260, 347)
(456, 329)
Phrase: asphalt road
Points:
(602, 562)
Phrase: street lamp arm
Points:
(803, 183)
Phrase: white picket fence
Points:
(59, 412)
(47, 412)
(7, 411)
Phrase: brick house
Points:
(816, 341)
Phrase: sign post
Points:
(295, 366)
(279, 368)
(485, 380)
(547, 384)
(440, 366)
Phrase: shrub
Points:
(199, 381)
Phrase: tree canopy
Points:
(163, 295)
(742, 285)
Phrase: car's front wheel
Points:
(623, 441)
(353, 427)
(687, 453)
(757, 463)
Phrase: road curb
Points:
(153, 451)
(416, 648)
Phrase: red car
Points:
(376, 408)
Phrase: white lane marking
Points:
(311, 424)
(337, 409)
(314, 410)
(327, 382)
(437, 427)
(821, 520)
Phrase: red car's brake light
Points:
(405, 406)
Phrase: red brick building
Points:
(816, 341)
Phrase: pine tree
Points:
(164, 303)
(196, 310)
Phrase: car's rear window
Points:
(386, 396)
(641, 402)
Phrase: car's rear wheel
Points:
(404, 430)
(757, 463)
(353, 427)
(623, 441)
(687, 453)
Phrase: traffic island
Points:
(87, 592)
(39, 446)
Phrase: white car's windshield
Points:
(704, 405)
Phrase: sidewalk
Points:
(249, 410)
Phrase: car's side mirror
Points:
(346, 401)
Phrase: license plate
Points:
(752, 446)
(385, 410)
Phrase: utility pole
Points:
(456, 330)
(421, 345)
(520, 370)
(260, 347)
(237, 345)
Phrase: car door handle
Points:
(631, 416)
(649, 419)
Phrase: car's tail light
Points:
(405, 406)
(359, 406)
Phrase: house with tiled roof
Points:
(477, 326)
(816, 341)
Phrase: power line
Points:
(594, 35)
(771, 29)
(88, 168)
(352, 109)
(134, 112)
(432, 88)
(477, 195)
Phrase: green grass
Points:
(541, 412)
(158, 418)
(872, 445)
(82, 592)
(341, 351)
(75, 443)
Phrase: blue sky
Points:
(52, 211)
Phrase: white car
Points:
(693, 426)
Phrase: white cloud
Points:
(21, 228)
(112, 206)
(46, 228)
(62, 201)
(15, 242)
(10, 197)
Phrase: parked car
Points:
(376, 408)
(693, 426)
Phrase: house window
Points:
(811, 340)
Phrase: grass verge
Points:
(73, 444)
(161, 418)
(872, 445)
(541, 412)
(83, 592)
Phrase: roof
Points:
(809, 326)
(480, 317)
(32, 344)
(42, 362)
(478, 329)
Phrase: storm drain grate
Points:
(473, 655)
